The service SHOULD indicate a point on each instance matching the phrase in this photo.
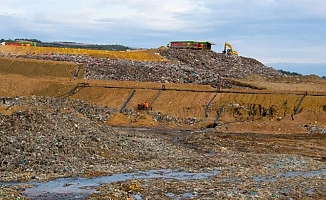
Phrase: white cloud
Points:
(269, 30)
(158, 15)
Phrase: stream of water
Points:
(80, 188)
(308, 174)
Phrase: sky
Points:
(283, 34)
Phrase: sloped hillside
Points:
(36, 68)
(130, 55)
(111, 81)
(220, 64)
(174, 66)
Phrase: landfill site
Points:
(161, 123)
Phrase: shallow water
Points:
(81, 188)
(308, 174)
(69, 188)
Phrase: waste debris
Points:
(186, 66)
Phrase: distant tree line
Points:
(294, 73)
(18, 39)
(111, 47)
(289, 73)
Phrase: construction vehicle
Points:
(229, 50)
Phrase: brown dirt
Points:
(36, 68)
(148, 55)
(309, 83)
(20, 77)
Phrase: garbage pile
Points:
(315, 129)
(186, 66)
(220, 64)
(50, 138)
(91, 111)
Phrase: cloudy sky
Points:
(284, 34)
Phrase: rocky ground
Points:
(45, 138)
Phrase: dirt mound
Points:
(142, 55)
(36, 68)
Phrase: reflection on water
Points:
(187, 195)
(137, 197)
(82, 187)
(321, 172)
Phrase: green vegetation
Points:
(111, 47)
(289, 73)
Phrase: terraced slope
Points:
(179, 104)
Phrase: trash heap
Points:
(46, 136)
(218, 64)
(91, 111)
(50, 138)
(185, 66)
(315, 129)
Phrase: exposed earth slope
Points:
(109, 82)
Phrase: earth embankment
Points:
(36, 68)
(44, 73)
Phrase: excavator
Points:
(229, 51)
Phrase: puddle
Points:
(264, 179)
(321, 172)
(137, 197)
(187, 195)
(80, 188)
(169, 194)
(310, 191)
